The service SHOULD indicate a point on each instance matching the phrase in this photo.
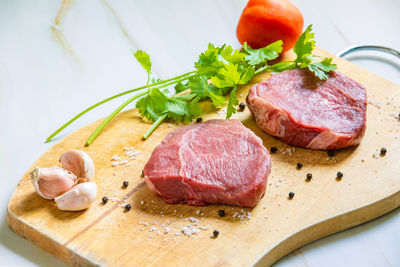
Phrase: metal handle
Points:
(355, 48)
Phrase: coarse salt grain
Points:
(115, 158)
(193, 220)
(190, 231)
(222, 111)
(242, 215)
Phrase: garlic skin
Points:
(79, 163)
(77, 198)
(52, 182)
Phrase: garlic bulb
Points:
(79, 163)
(77, 198)
(52, 182)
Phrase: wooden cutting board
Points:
(106, 235)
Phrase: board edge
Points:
(47, 244)
(328, 227)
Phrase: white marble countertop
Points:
(54, 62)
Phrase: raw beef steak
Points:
(304, 111)
(214, 162)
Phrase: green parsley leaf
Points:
(153, 105)
(232, 56)
(178, 108)
(233, 101)
(303, 49)
(155, 80)
(201, 87)
(185, 107)
(196, 86)
(180, 87)
(144, 59)
(214, 94)
(247, 73)
(231, 74)
(209, 62)
(193, 108)
(255, 57)
(320, 69)
(304, 45)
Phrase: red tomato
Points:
(266, 21)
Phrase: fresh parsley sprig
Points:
(218, 73)
(303, 49)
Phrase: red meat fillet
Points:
(214, 162)
(304, 111)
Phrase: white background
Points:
(47, 76)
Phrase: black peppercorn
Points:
(199, 120)
(383, 151)
(105, 200)
(127, 207)
(331, 153)
(215, 233)
(221, 213)
(339, 175)
(309, 176)
(291, 195)
(142, 173)
(299, 165)
(242, 106)
(273, 149)
(125, 184)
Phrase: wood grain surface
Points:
(107, 235)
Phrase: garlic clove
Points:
(52, 182)
(77, 198)
(79, 163)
